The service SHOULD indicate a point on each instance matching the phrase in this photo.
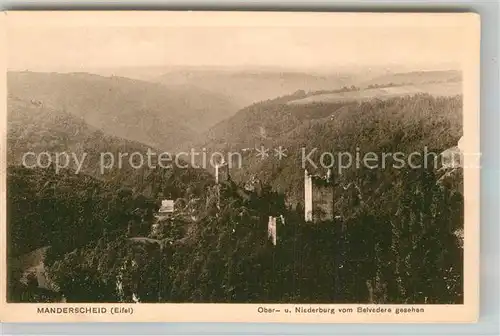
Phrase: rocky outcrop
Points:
(450, 167)
(452, 176)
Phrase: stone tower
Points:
(318, 197)
(322, 202)
(221, 171)
(308, 213)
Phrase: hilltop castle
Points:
(318, 192)
(221, 171)
(318, 197)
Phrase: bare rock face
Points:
(450, 167)
(452, 176)
(460, 236)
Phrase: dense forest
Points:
(401, 250)
(395, 239)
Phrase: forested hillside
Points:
(404, 124)
(396, 237)
(38, 129)
(403, 250)
(58, 209)
(65, 211)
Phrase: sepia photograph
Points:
(308, 161)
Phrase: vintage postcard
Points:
(239, 167)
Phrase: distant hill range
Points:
(137, 110)
(248, 87)
(37, 128)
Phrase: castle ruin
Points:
(221, 171)
(318, 197)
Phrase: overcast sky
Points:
(309, 47)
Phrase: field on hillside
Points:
(435, 89)
(415, 77)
